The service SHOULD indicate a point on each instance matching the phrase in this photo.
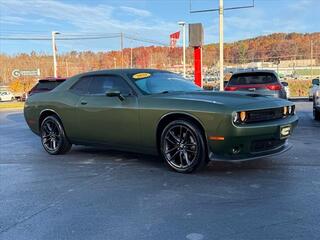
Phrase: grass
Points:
(11, 105)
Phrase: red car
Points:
(264, 82)
(45, 85)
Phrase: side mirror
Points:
(316, 81)
(115, 93)
(285, 84)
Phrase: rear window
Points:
(47, 85)
(253, 78)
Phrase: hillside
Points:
(264, 48)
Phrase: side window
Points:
(82, 85)
(103, 83)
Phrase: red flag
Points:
(174, 38)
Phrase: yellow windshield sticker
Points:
(141, 75)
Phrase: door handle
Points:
(83, 102)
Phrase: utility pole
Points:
(311, 57)
(115, 62)
(221, 45)
(183, 25)
(131, 57)
(54, 52)
(67, 68)
(121, 46)
(221, 9)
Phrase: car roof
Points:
(254, 71)
(52, 79)
(125, 71)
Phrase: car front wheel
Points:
(53, 137)
(182, 146)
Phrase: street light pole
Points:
(54, 52)
(183, 25)
(221, 44)
(121, 46)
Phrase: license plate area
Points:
(285, 131)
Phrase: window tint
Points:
(49, 85)
(82, 85)
(101, 84)
(253, 78)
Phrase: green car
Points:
(160, 112)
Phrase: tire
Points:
(316, 114)
(53, 137)
(182, 146)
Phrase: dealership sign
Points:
(20, 73)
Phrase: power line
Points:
(60, 38)
(82, 37)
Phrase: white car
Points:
(6, 96)
(316, 104)
(313, 88)
(286, 88)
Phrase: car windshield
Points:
(253, 78)
(162, 82)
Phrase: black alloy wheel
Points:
(53, 137)
(182, 146)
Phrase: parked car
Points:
(154, 111)
(286, 88)
(6, 96)
(313, 88)
(45, 85)
(316, 104)
(264, 82)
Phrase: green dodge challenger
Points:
(160, 112)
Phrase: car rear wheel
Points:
(53, 137)
(182, 146)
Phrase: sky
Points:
(143, 19)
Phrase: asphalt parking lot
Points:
(95, 193)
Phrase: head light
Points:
(239, 117)
(243, 116)
(235, 117)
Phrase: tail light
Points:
(274, 87)
(230, 88)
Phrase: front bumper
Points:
(252, 141)
(238, 158)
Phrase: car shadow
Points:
(103, 154)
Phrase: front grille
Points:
(265, 144)
(264, 115)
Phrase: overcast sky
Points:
(151, 19)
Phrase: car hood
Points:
(234, 100)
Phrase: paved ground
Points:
(100, 194)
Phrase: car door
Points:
(105, 119)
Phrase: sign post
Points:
(196, 41)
